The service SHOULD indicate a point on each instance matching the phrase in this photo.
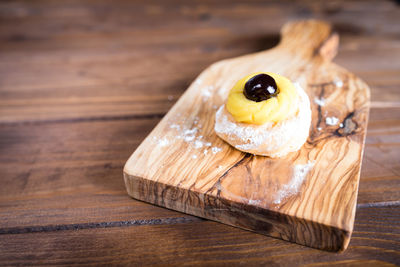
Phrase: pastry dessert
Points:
(265, 114)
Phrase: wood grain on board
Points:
(259, 193)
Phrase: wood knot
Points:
(349, 126)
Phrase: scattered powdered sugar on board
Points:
(189, 135)
(300, 172)
(196, 120)
(338, 82)
(189, 138)
(319, 101)
(198, 81)
(190, 131)
(207, 92)
(198, 144)
(163, 142)
(175, 126)
(215, 149)
(254, 202)
(331, 121)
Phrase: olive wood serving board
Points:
(309, 196)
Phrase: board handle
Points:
(311, 38)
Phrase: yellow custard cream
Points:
(274, 109)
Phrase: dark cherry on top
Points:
(260, 87)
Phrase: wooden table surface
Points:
(83, 82)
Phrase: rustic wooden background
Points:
(83, 82)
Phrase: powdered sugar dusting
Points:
(189, 138)
(190, 131)
(163, 142)
(300, 172)
(175, 126)
(251, 135)
(198, 144)
(319, 101)
(338, 82)
(223, 92)
(198, 81)
(215, 149)
(254, 201)
(331, 121)
(207, 92)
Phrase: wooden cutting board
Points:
(308, 197)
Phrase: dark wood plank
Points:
(380, 170)
(375, 242)
(87, 209)
(85, 51)
(56, 173)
